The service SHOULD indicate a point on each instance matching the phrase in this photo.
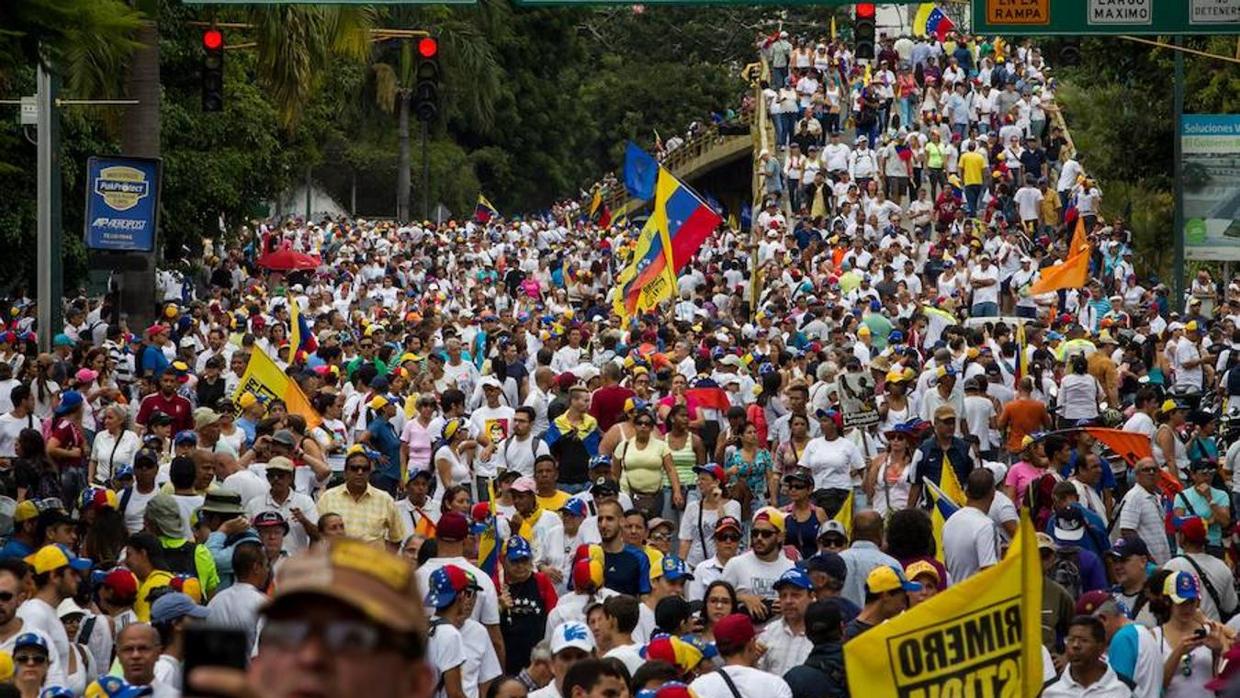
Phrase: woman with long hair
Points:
(885, 483)
(37, 477)
(101, 527)
(113, 447)
(230, 433)
(752, 466)
(719, 602)
(686, 448)
(1191, 645)
(46, 391)
(453, 455)
(788, 454)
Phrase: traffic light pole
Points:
(426, 173)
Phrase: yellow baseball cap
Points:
(247, 400)
(26, 510)
(772, 516)
(377, 402)
(885, 578)
(6, 667)
(53, 557)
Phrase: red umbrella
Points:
(288, 260)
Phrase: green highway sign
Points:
(1106, 17)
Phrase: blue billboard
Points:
(122, 203)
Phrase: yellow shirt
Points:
(155, 580)
(973, 166)
(372, 518)
(643, 467)
(554, 502)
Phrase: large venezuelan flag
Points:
(266, 381)
(675, 230)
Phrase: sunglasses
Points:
(797, 485)
(725, 537)
(764, 533)
(358, 468)
(645, 423)
(35, 659)
(7, 596)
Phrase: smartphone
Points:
(1200, 633)
(216, 647)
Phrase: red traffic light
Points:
(865, 10)
(213, 39)
(428, 47)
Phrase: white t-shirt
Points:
(985, 294)
(497, 424)
(747, 574)
(481, 661)
(248, 484)
(135, 510)
(445, 651)
(832, 462)
(39, 615)
(750, 683)
(978, 412)
(970, 543)
(11, 427)
(55, 666)
(1027, 201)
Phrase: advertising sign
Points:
(1210, 144)
(122, 203)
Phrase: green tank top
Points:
(684, 459)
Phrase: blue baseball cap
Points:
(445, 583)
(675, 569)
(576, 506)
(185, 437)
(57, 692)
(519, 549)
(794, 577)
(174, 605)
(30, 640)
(895, 337)
(69, 401)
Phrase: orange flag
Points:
(1070, 273)
(1078, 237)
(1128, 445)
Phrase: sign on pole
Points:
(1106, 17)
(1210, 152)
(122, 203)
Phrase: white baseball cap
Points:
(571, 634)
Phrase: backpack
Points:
(181, 559)
(1066, 570)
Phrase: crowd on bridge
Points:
(432, 460)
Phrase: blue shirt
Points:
(383, 438)
(1122, 653)
(860, 559)
(1198, 505)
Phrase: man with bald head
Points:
(970, 537)
(864, 554)
(137, 650)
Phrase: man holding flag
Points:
(970, 536)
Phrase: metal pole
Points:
(426, 173)
(1178, 176)
(49, 284)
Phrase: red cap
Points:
(452, 526)
(122, 582)
(1090, 601)
(480, 512)
(1194, 530)
(733, 632)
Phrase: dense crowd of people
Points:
(480, 481)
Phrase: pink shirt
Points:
(420, 443)
(1020, 475)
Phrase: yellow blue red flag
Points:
(300, 338)
(677, 227)
(264, 379)
(485, 211)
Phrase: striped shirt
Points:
(1142, 512)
